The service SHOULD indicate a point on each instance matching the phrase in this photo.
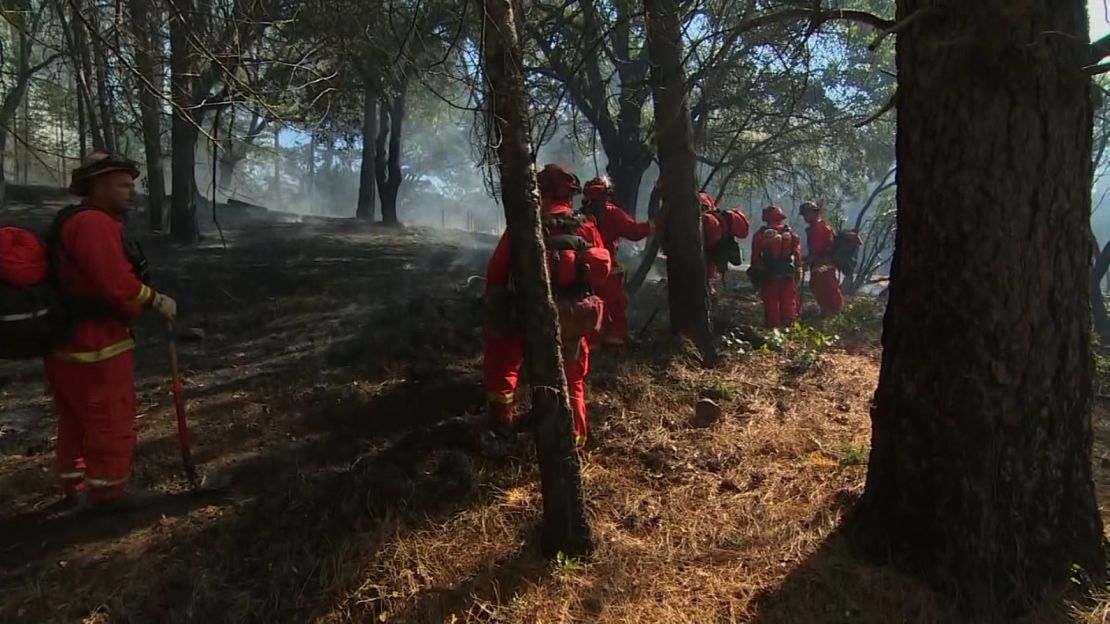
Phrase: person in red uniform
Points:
(823, 279)
(776, 268)
(503, 347)
(90, 371)
(613, 223)
(713, 230)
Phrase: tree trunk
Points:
(380, 170)
(83, 66)
(82, 127)
(626, 176)
(367, 174)
(276, 190)
(183, 218)
(392, 183)
(150, 111)
(3, 176)
(980, 471)
(102, 73)
(687, 285)
(565, 528)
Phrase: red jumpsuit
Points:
(823, 280)
(91, 374)
(503, 352)
(613, 224)
(773, 245)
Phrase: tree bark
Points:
(565, 528)
(102, 72)
(687, 285)
(627, 176)
(367, 174)
(183, 219)
(390, 184)
(79, 49)
(150, 111)
(980, 471)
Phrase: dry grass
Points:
(368, 491)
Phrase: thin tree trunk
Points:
(367, 173)
(183, 220)
(102, 72)
(392, 183)
(980, 471)
(565, 528)
(380, 155)
(82, 63)
(150, 111)
(627, 176)
(277, 162)
(82, 127)
(687, 284)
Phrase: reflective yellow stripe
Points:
(90, 357)
(103, 483)
(68, 476)
(145, 294)
(503, 399)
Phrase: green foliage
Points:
(851, 455)
(860, 319)
(802, 344)
(567, 564)
(717, 390)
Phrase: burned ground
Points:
(338, 382)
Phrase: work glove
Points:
(165, 306)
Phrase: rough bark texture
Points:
(980, 471)
(183, 218)
(687, 287)
(565, 528)
(150, 110)
(389, 165)
(367, 174)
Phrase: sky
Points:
(1098, 10)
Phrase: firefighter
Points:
(714, 231)
(103, 285)
(503, 339)
(613, 223)
(823, 279)
(776, 268)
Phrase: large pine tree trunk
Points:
(367, 175)
(980, 471)
(687, 286)
(565, 528)
(183, 221)
(150, 110)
